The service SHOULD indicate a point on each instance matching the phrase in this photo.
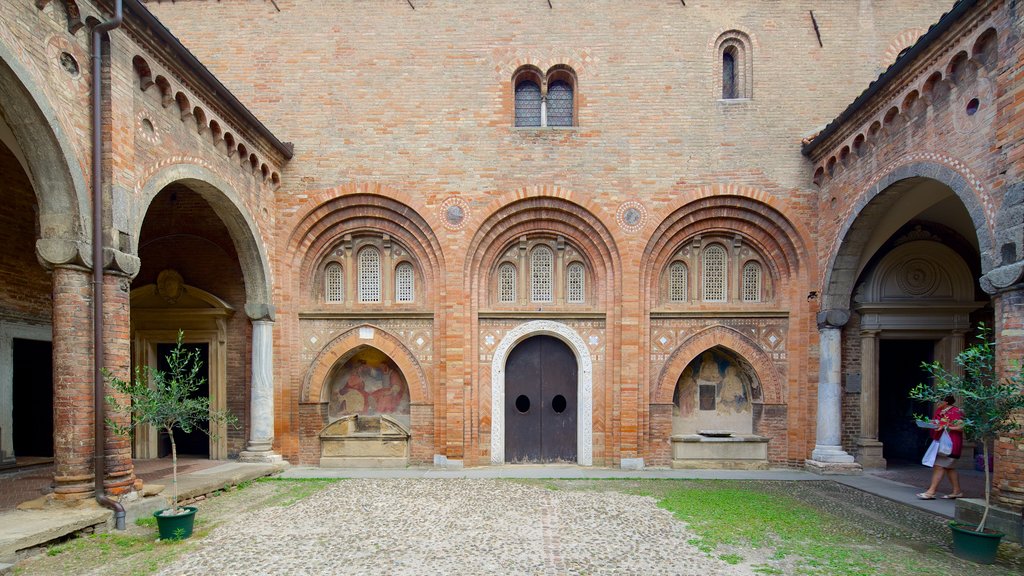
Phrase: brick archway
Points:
(767, 374)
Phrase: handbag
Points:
(945, 444)
(930, 454)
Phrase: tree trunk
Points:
(174, 471)
(988, 484)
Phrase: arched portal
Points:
(540, 402)
(716, 391)
(584, 385)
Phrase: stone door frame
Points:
(584, 386)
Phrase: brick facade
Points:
(403, 124)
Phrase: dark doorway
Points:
(899, 370)
(540, 402)
(33, 398)
(196, 442)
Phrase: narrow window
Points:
(751, 282)
(369, 275)
(540, 274)
(714, 274)
(677, 282)
(405, 288)
(576, 278)
(334, 283)
(560, 103)
(527, 104)
(729, 91)
(507, 284)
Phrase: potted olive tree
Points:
(166, 400)
(990, 405)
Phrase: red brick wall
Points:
(24, 284)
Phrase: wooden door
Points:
(540, 402)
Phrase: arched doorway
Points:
(540, 402)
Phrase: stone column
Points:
(828, 456)
(869, 449)
(261, 409)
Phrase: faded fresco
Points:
(369, 384)
(715, 392)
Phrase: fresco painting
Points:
(715, 391)
(369, 384)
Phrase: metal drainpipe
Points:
(97, 261)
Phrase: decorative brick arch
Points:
(838, 281)
(222, 197)
(694, 346)
(350, 342)
(53, 168)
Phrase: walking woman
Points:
(949, 418)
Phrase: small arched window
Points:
(677, 282)
(528, 104)
(405, 288)
(729, 73)
(540, 274)
(576, 274)
(507, 283)
(751, 282)
(369, 274)
(714, 277)
(334, 283)
(560, 103)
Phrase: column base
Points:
(260, 457)
(833, 468)
(869, 454)
(835, 454)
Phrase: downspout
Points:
(97, 262)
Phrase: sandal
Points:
(953, 496)
(926, 496)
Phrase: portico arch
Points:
(584, 388)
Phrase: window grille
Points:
(752, 282)
(729, 74)
(369, 275)
(405, 288)
(507, 284)
(560, 103)
(714, 273)
(527, 104)
(540, 274)
(677, 282)
(334, 283)
(576, 283)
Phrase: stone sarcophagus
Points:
(720, 449)
(359, 441)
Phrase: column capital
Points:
(260, 311)
(835, 318)
(870, 333)
(57, 252)
(1006, 278)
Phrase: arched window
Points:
(369, 274)
(751, 282)
(714, 281)
(528, 104)
(560, 103)
(677, 282)
(576, 278)
(334, 283)
(507, 283)
(405, 288)
(729, 73)
(540, 274)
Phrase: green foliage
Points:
(988, 402)
(163, 399)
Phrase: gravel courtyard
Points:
(417, 526)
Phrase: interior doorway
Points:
(541, 402)
(32, 368)
(196, 442)
(899, 370)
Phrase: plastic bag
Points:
(945, 444)
(930, 454)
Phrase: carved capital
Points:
(834, 318)
(1002, 278)
(118, 262)
(53, 252)
(260, 311)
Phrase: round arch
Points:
(52, 165)
(221, 196)
(841, 270)
(584, 386)
(364, 336)
(730, 339)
